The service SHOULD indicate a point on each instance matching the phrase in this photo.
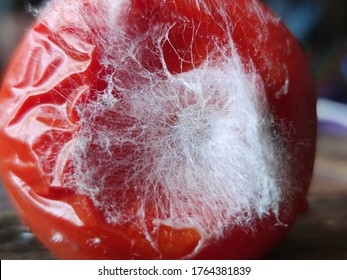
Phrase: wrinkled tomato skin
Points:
(36, 125)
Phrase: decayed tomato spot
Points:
(177, 243)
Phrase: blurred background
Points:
(321, 27)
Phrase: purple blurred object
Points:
(332, 117)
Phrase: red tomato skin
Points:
(36, 123)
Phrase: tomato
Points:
(145, 129)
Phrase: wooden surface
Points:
(320, 234)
